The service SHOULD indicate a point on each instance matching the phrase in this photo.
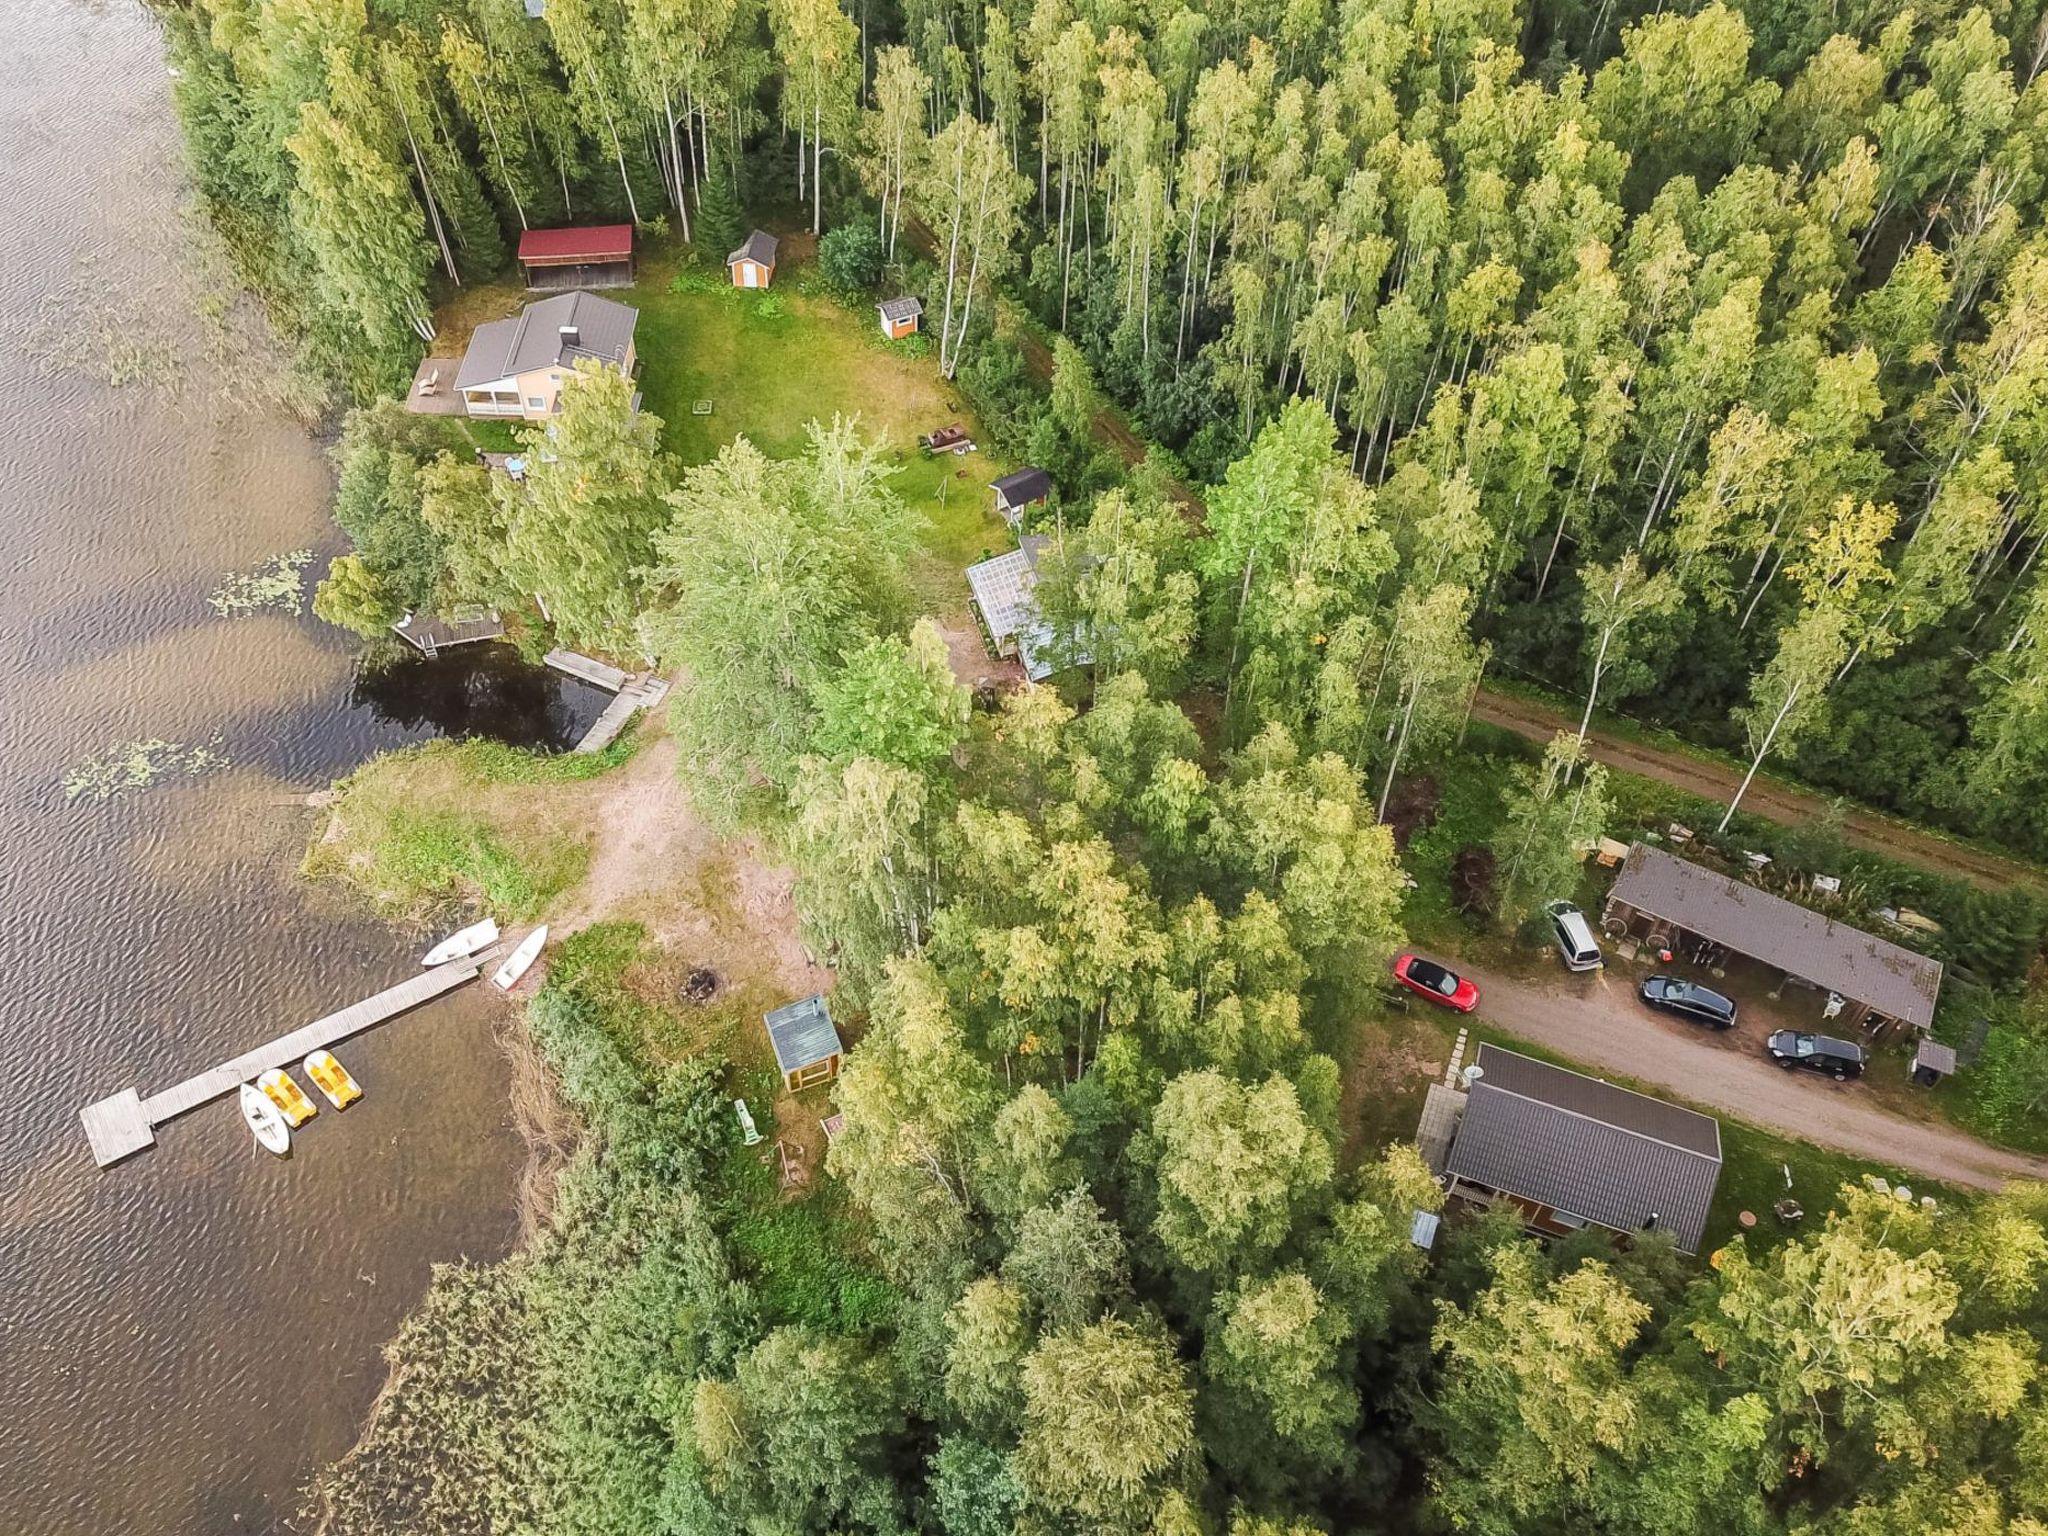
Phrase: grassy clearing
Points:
(771, 363)
(454, 822)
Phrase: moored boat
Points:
(520, 961)
(288, 1096)
(463, 943)
(333, 1079)
(272, 1134)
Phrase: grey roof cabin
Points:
(1568, 1150)
(806, 1042)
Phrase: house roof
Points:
(533, 338)
(1587, 1147)
(803, 1034)
(587, 242)
(1003, 589)
(1023, 485)
(1797, 940)
(901, 309)
(758, 246)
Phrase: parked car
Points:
(1816, 1053)
(1690, 1001)
(1575, 942)
(1440, 985)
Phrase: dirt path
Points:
(654, 861)
(1767, 797)
(1596, 1020)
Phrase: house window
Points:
(535, 402)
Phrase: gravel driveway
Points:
(1597, 1020)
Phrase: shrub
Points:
(851, 258)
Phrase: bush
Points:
(851, 258)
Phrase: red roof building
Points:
(588, 256)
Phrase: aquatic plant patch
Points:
(277, 583)
(138, 765)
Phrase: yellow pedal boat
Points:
(288, 1096)
(333, 1079)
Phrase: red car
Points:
(1445, 988)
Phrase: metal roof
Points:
(534, 338)
(758, 246)
(1797, 940)
(803, 1034)
(1587, 1147)
(588, 242)
(1022, 486)
(901, 309)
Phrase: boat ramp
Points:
(126, 1122)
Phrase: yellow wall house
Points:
(515, 367)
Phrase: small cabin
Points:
(900, 317)
(753, 264)
(806, 1042)
(1020, 489)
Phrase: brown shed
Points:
(753, 264)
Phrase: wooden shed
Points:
(588, 256)
(806, 1042)
(753, 264)
(900, 317)
(1019, 489)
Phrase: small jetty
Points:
(126, 1122)
(642, 690)
(431, 636)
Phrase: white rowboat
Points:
(457, 946)
(520, 961)
(272, 1134)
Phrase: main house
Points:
(1564, 1150)
(515, 367)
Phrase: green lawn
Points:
(768, 364)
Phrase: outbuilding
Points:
(753, 264)
(1004, 591)
(900, 317)
(587, 256)
(807, 1046)
(1665, 899)
(1019, 489)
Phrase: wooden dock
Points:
(125, 1123)
(597, 673)
(641, 693)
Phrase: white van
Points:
(1575, 943)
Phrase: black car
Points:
(1816, 1053)
(1690, 1001)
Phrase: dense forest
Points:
(1708, 347)
(1693, 362)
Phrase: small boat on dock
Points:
(333, 1079)
(464, 943)
(520, 961)
(272, 1134)
(288, 1096)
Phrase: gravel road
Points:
(1597, 1020)
(1767, 797)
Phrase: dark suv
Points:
(1816, 1053)
(1690, 1001)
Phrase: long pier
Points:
(125, 1123)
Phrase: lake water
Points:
(185, 1337)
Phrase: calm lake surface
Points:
(185, 1337)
